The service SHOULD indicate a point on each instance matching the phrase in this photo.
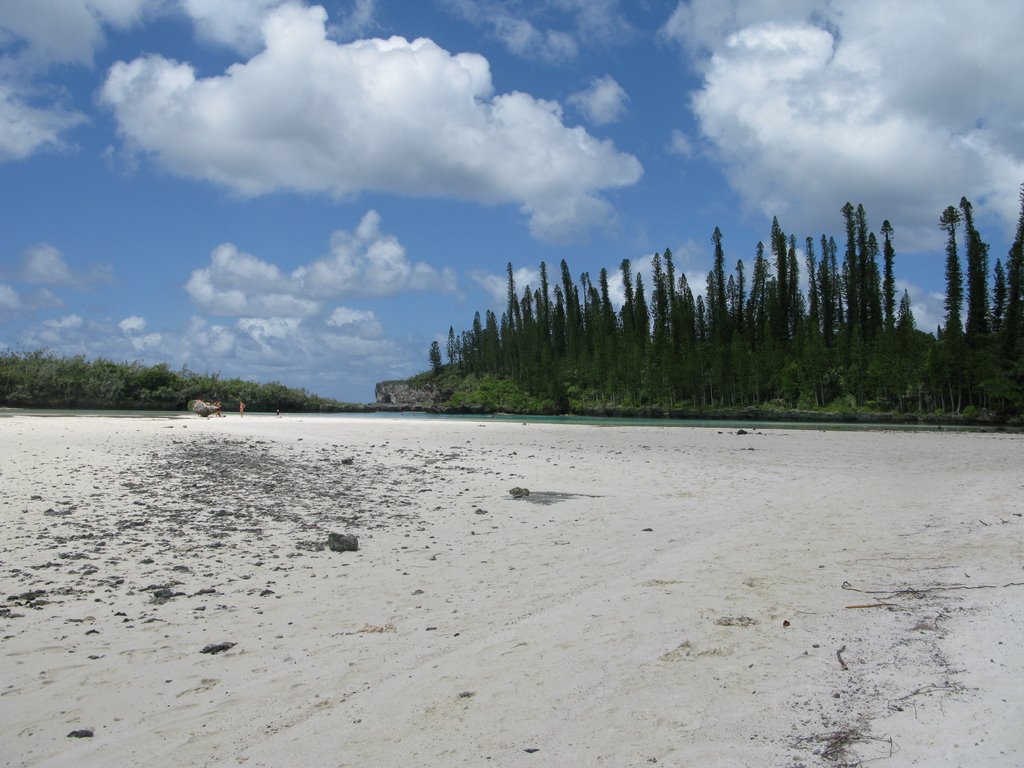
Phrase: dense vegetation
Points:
(41, 379)
(755, 337)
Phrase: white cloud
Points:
(363, 263)
(929, 308)
(343, 316)
(310, 115)
(589, 23)
(356, 323)
(25, 129)
(239, 284)
(10, 301)
(361, 19)
(519, 35)
(64, 323)
(896, 105)
(236, 24)
(368, 262)
(679, 144)
(44, 264)
(496, 286)
(62, 32)
(603, 102)
(34, 36)
(133, 324)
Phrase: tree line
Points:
(756, 336)
(41, 379)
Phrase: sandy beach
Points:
(667, 596)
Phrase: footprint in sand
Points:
(204, 685)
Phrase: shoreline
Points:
(718, 420)
(685, 596)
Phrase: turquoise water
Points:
(594, 421)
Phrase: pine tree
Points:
(998, 296)
(741, 298)
(977, 278)
(813, 295)
(435, 357)
(1013, 323)
(757, 305)
(851, 280)
(888, 277)
(864, 273)
(829, 289)
(950, 360)
(716, 292)
(779, 308)
(949, 221)
(872, 291)
(453, 347)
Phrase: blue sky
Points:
(313, 193)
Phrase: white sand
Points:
(471, 627)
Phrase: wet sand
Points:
(663, 595)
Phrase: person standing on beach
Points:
(241, 409)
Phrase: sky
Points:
(313, 193)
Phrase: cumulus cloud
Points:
(133, 324)
(364, 263)
(496, 286)
(232, 23)
(35, 35)
(59, 32)
(358, 323)
(603, 102)
(361, 19)
(810, 104)
(27, 129)
(239, 284)
(311, 115)
(44, 264)
(368, 262)
(60, 332)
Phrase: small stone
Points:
(84, 733)
(518, 493)
(481, 512)
(342, 542)
(218, 647)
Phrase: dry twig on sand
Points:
(912, 592)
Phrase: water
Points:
(593, 421)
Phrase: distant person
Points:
(241, 409)
(278, 413)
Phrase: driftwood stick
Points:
(910, 592)
(839, 655)
(873, 605)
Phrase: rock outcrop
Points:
(403, 393)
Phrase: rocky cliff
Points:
(403, 393)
